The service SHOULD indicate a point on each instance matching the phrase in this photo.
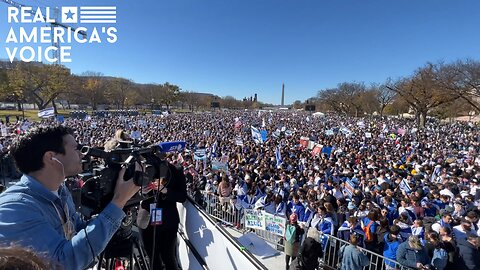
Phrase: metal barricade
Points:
(226, 213)
(331, 258)
(275, 240)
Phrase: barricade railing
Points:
(331, 258)
(224, 211)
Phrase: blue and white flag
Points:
(46, 113)
(214, 149)
(405, 186)
(256, 135)
(278, 156)
(349, 187)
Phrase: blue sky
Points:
(242, 47)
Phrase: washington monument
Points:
(283, 94)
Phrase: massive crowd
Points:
(409, 194)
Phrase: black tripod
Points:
(128, 251)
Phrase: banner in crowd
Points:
(219, 166)
(317, 149)
(275, 224)
(254, 219)
(200, 154)
(304, 142)
(259, 219)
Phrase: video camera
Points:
(101, 170)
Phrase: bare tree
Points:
(383, 95)
(423, 92)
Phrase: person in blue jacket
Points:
(38, 211)
(295, 206)
(392, 241)
(412, 254)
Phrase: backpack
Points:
(290, 233)
(368, 234)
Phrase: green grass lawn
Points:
(31, 115)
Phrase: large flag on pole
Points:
(46, 113)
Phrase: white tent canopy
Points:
(318, 114)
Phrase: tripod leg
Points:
(100, 261)
(141, 260)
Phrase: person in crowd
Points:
(293, 237)
(450, 246)
(390, 247)
(444, 222)
(461, 231)
(308, 257)
(436, 250)
(469, 253)
(352, 257)
(412, 254)
(350, 227)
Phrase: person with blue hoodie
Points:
(390, 248)
(295, 206)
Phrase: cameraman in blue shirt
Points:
(38, 211)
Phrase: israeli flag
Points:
(405, 186)
(278, 156)
(46, 113)
(256, 135)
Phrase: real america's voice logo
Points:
(36, 34)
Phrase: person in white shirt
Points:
(461, 231)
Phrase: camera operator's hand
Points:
(124, 190)
(162, 185)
